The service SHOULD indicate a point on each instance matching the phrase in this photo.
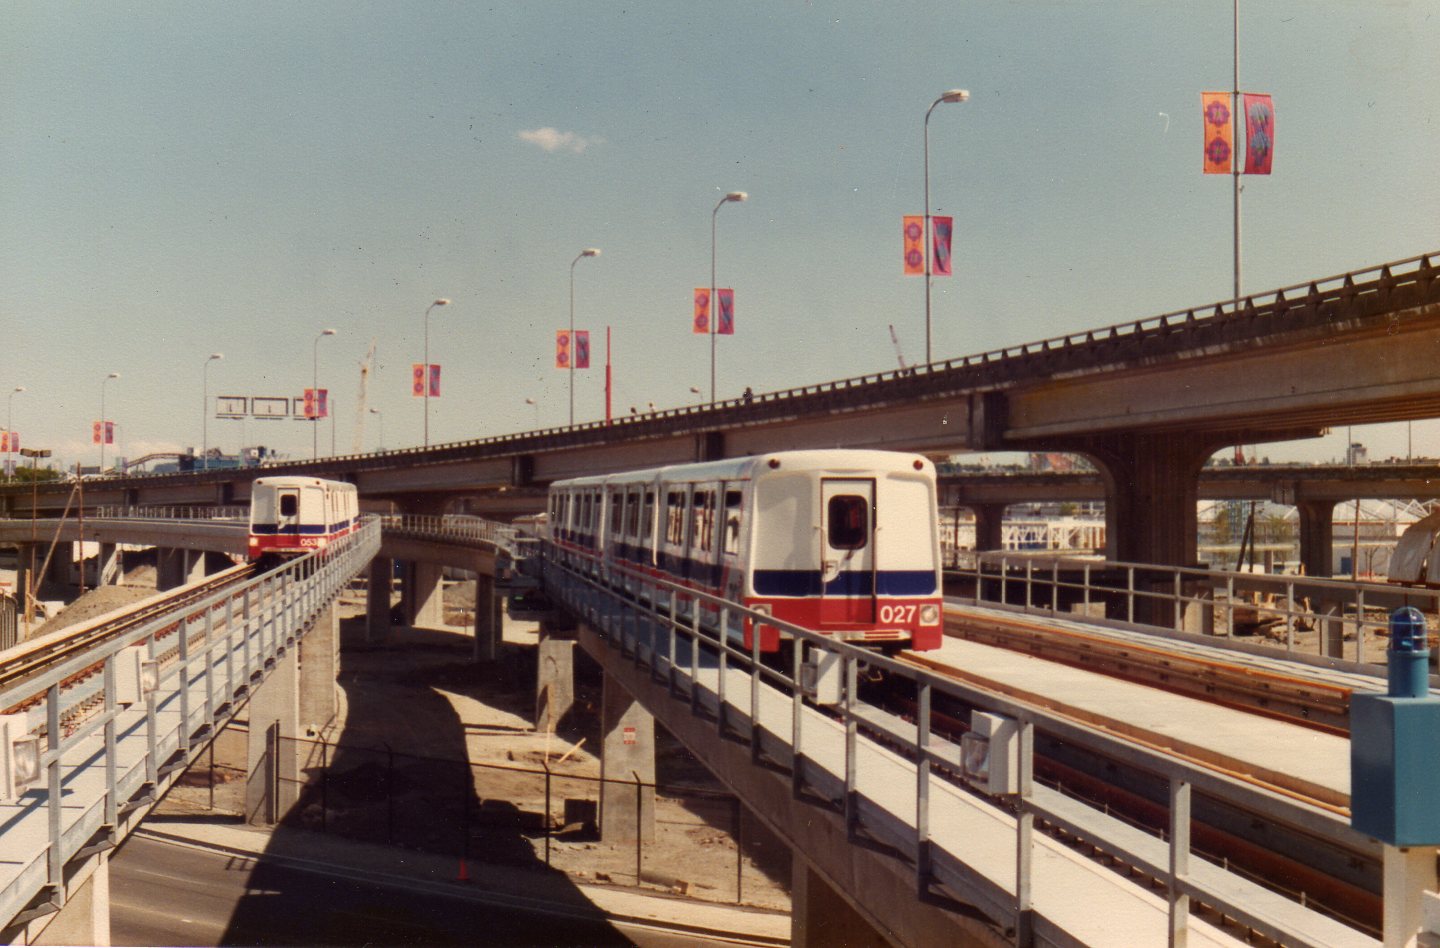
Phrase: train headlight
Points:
(930, 614)
(762, 608)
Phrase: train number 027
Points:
(900, 615)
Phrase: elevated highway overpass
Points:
(1146, 401)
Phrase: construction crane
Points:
(362, 407)
(899, 356)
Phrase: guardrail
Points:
(923, 794)
(109, 730)
(1206, 601)
(190, 512)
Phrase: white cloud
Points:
(552, 139)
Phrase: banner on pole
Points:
(725, 315)
(434, 380)
(1215, 107)
(562, 348)
(940, 230)
(582, 348)
(912, 230)
(701, 324)
(95, 429)
(1259, 133)
(417, 380)
(110, 433)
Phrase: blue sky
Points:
(178, 179)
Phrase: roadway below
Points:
(167, 892)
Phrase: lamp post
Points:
(587, 252)
(103, 429)
(205, 409)
(376, 411)
(10, 432)
(315, 392)
(737, 197)
(425, 378)
(536, 405)
(954, 95)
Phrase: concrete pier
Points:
(272, 764)
(627, 756)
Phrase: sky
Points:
(181, 179)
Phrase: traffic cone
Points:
(464, 875)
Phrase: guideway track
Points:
(31, 659)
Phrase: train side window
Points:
(848, 517)
(732, 522)
(615, 512)
(647, 524)
(632, 515)
(289, 505)
(703, 513)
(675, 518)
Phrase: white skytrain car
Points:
(292, 515)
(844, 542)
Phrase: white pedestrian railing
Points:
(168, 512)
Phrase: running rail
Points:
(899, 783)
(111, 758)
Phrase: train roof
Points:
(298, 480)
(822, 460)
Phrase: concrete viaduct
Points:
(1147, 402)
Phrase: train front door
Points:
(287, 511)
(847, 550)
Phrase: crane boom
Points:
(899, 356)
(367, 365)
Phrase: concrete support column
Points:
(820, 917)
(273, 771)
(1317, 536)
(989, 534)
(27, 560)
(554, 679)
(377, 599)
(107, 566)
(85, 918)
(424, 605)
(627, 756)
(175, 568)
(62, 563)
(1152, 482)
(489, 619)
(319, 670)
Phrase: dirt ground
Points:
(414, 706)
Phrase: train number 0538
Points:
(901, 615)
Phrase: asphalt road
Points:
(167, 894)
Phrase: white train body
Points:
(839, 541)
(292, 515)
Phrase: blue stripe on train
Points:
(807, 582)
(297, 529)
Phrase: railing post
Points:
(112, 805)
(922, 791)
(55, 788)
(1029, 580)
(1130, 594)
(852, 801)
(1179, 861)
(183, 669)
(1179, 593)
(1024, 839)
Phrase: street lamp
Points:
(587, 252)
(737, 197)
(536, 405)
(954, 95)
(205, 409)
(10, 432)
(103, 428)
(425, 377)
(376, 411)
(315, 392)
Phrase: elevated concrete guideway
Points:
(1147, 402)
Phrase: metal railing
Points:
(919, 801)
(1211, 602)
(117, 724)
(168, 512)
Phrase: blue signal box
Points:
(1395, 745)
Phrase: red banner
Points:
(582, 348)
(434, 380)
(912, 229)
(940, 230)
(725, 318)
(14, 441)
(701, 324)
(1215, 107)
(1259, 133)
(95, 429)
(5, 442)
(417, 380)
(322, 403)
(109, 432)
(310, 403)
(562, 348)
